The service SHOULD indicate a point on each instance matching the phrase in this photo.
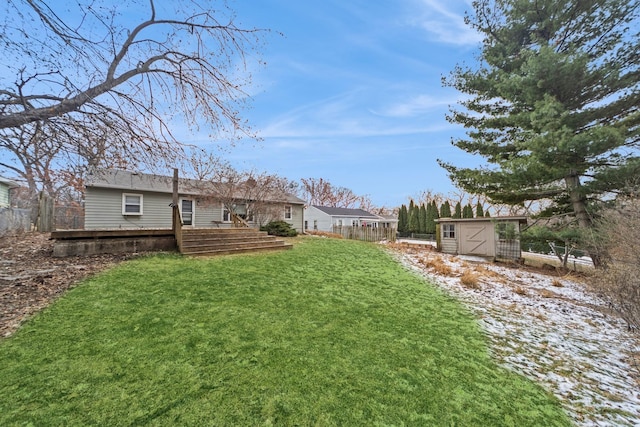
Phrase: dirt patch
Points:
(30, 278)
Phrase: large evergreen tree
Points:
(479, 210)
(554, 105)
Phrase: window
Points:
(186, 210)
(506, 231)
(131, 204)
(288, 213)
(448, 231)
(240, 209)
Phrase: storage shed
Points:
(497, 238)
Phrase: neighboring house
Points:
(497, 237)
(388, 221)
(324, 218)
(5, 186)
(123, 199)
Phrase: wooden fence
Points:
(368, 234)
(14, 221)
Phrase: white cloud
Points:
(344, 116)
(445, 25)
(414, 106)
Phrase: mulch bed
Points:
(31, 278)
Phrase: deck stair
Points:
(221, 241)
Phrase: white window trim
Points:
(193, 210)
(124, 204)
(224, 209)
(451, 229)
(288, 209)
(248, 215)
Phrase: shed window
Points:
(131, 204)
(288, 212)
(506, 231)
(448, 231)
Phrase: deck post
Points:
(176, 222)
(174, 201)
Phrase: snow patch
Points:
(552, 330)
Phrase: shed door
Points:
(475, 239)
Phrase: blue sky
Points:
(352, 93)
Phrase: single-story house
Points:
(497, 237)
(324, 218)
(5, 186)
(125, 199)
(388, 221)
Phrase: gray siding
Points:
(4, 195)
(449, 246)
(324, 220)
(297, 218)
(103, 209)
(206, 213)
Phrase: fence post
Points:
(44, 221)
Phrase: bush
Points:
(470, 280)
(618, 240)
(279, 228)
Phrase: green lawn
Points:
(333, 332)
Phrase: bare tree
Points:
(317, 191)
(30, 157)
(253, 196)
(103, 79)
(427, 196)
(617, 240)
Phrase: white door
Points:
(187, 211)
(475, 239)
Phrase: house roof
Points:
(390, 218)
(136, 181)
(333, 211)
(9, 183)
(520, 219)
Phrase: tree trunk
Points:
(579, 205)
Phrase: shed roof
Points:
(136, 181)
(520, 219)
(333, 211)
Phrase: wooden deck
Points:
(110, 233)
(191, 241)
